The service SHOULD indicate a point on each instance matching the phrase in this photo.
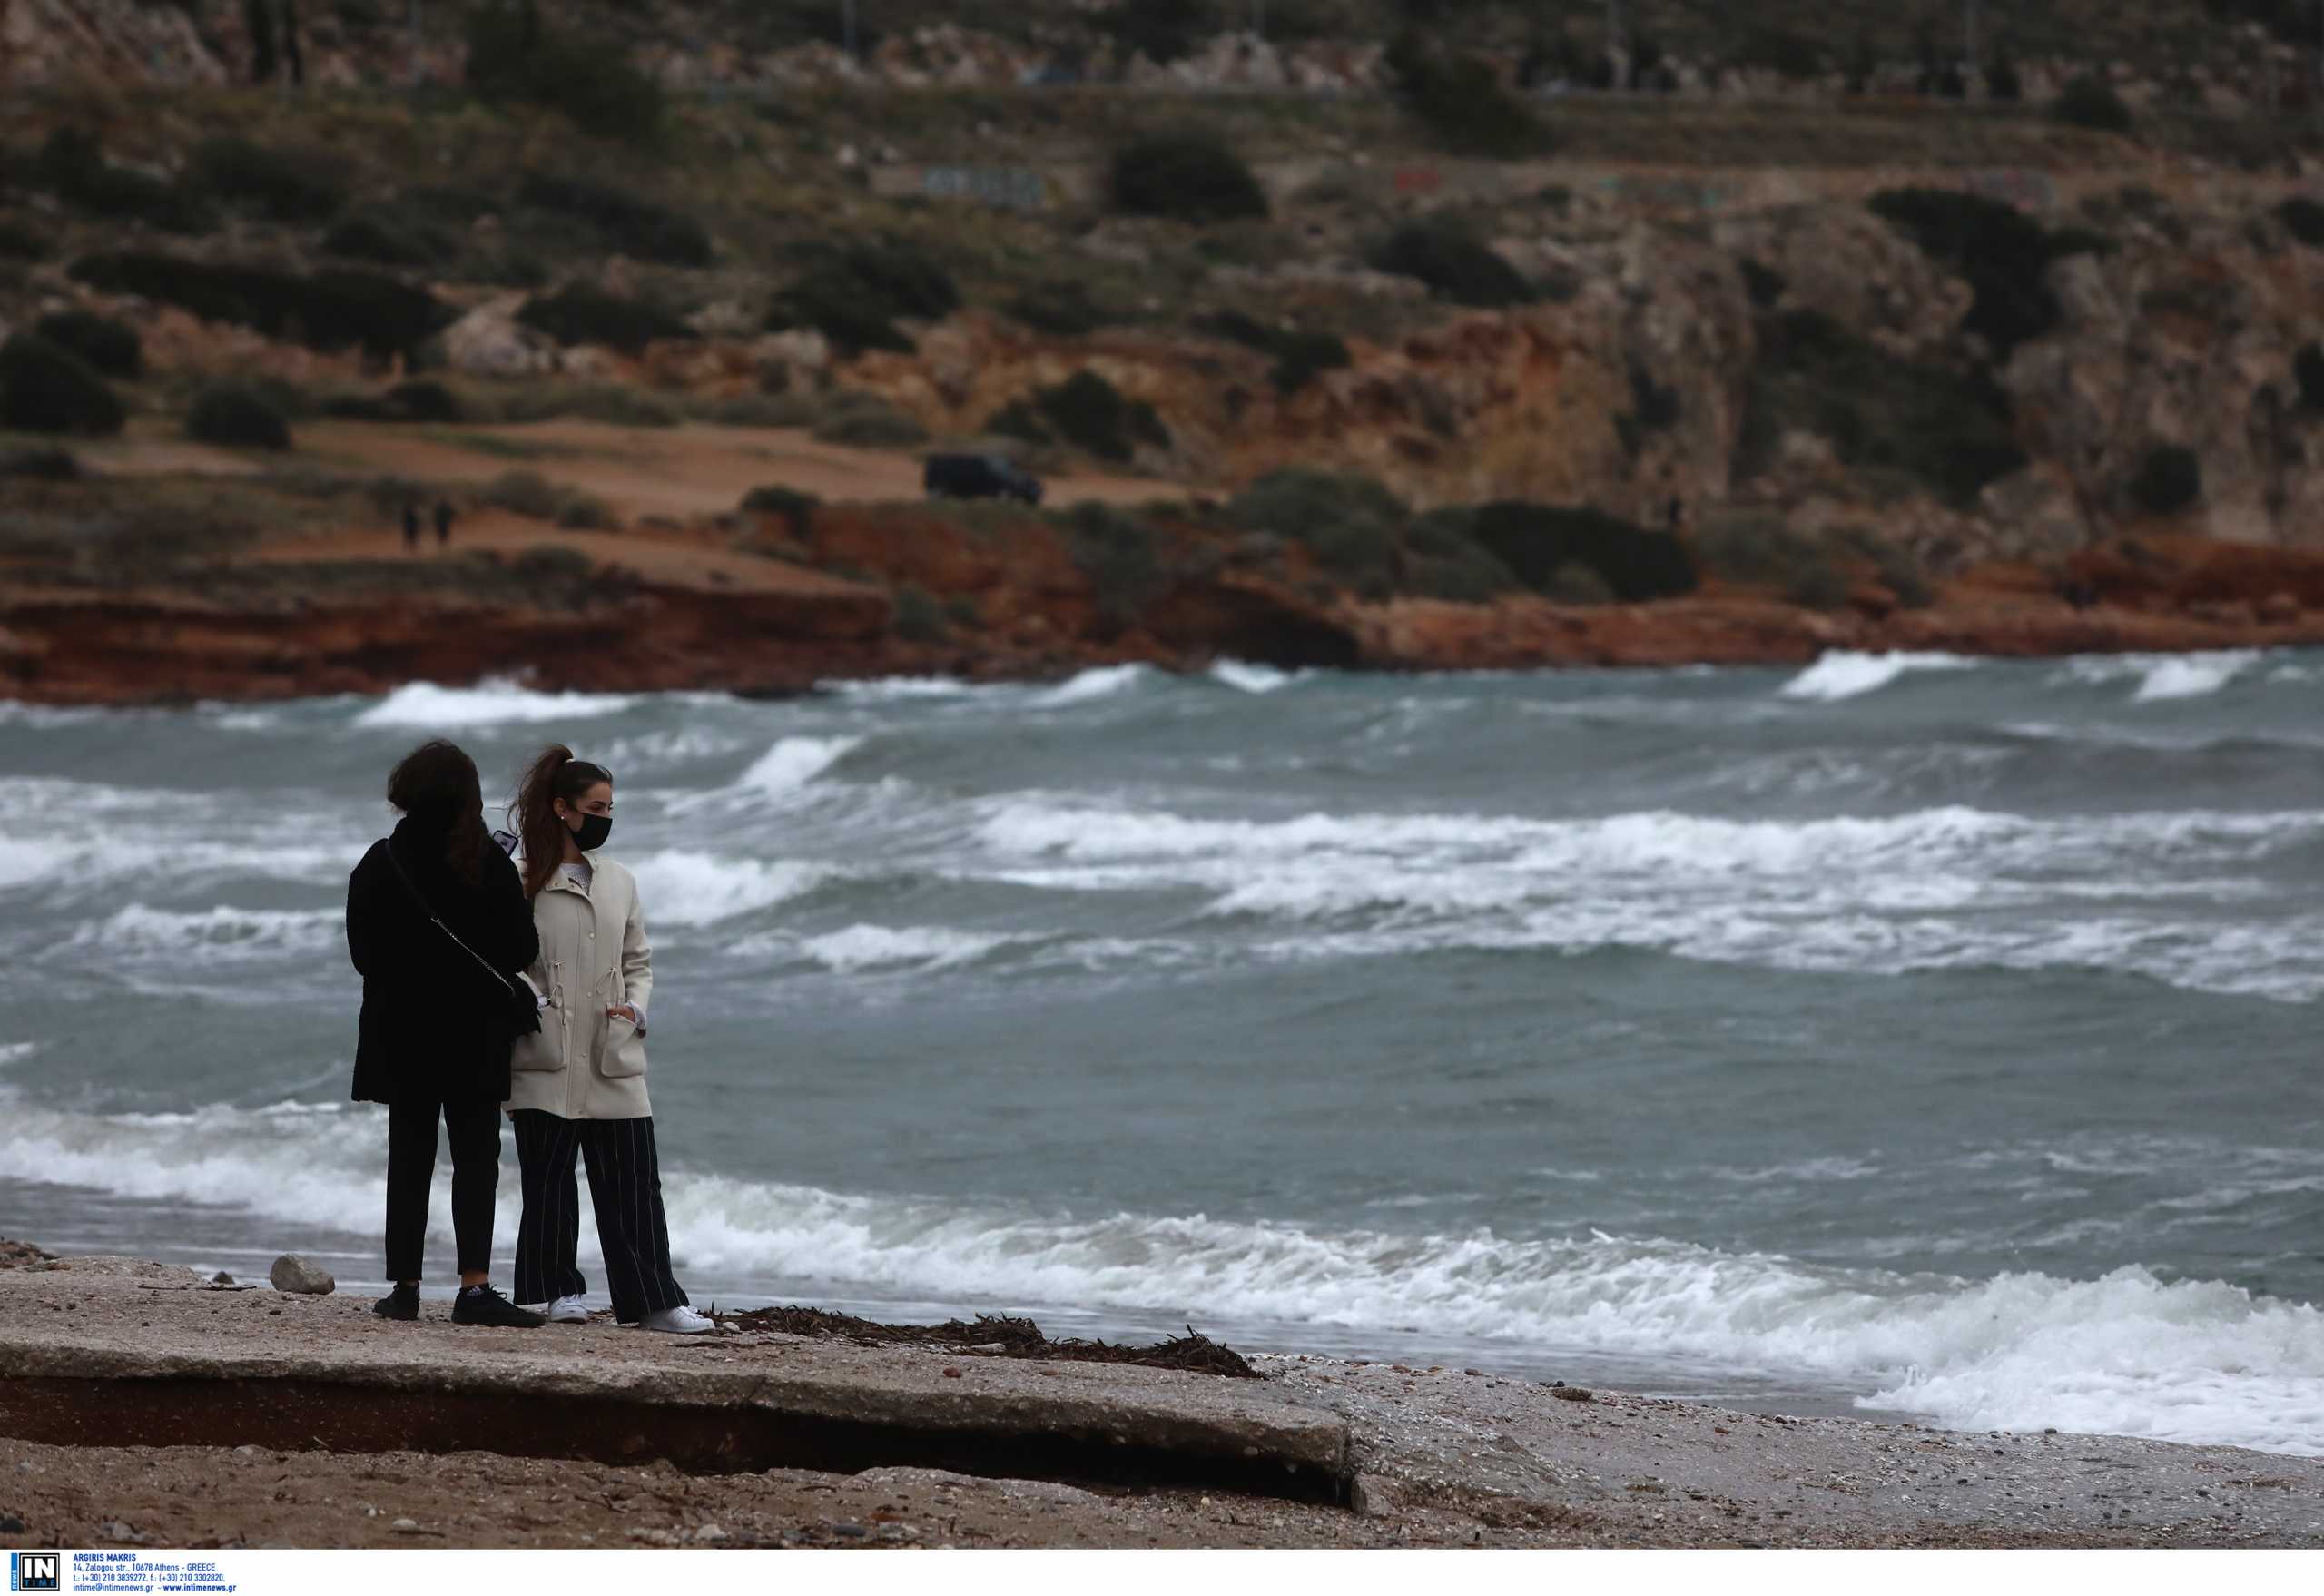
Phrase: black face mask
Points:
(593, 830)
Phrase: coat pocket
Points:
(625, 1052)
(539, 1049)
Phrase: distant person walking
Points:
(438, 925)
(443, 523)
(580, 1084)
(411, 528)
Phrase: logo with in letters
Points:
(35, 1570)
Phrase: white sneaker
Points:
(677, 1322)
(564, 1310)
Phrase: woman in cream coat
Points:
(579, 1086)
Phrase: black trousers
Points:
(625, 1189)
(474, 1132)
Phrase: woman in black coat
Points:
(439, 1018)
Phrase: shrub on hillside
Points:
(536, 499)
(287, 187)
(2003, 253)
(1061, 310)
(1299, 502)
(1459, 98)
(113, 347)
(237, 418)
(332, 309)
(1089, 413)
(869, 422)
(1121, 557)
(41, 465)
(21, 243)
(580, 314)
(854, 294)
(1793, 55)
(1186, 177)
(2170, 479)
(1299, 356)
(917, 617)
(2303, 218)
(47, 387)
(424, 400)
(1951, 433)
(72, 163)
(1538, 542)
(636, 227)
(795, 507)
(391, 236)
(2092, 102)
(514, 55)
(1453, 262)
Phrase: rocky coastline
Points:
(143, 1405)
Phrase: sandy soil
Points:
(674, 471)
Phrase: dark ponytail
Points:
(436, 784)
(555, 775)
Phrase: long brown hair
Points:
(436, 784)
(555, 775)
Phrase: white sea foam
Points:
(882, 689)
(2193, 675)
(1099, 681)
(1246, 677)
(2126, 1352)
(792, 763)
(425, 705)
(680, 887)
(881, 947)
(1847, 673)
(223, 931)
(16, 1053)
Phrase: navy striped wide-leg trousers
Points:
(624, 1188)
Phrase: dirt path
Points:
(672, 471)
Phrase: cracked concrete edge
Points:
(1281, 1432)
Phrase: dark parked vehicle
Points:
(979, 476)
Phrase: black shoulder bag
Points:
(523, 1008)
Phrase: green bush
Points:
(580, 314)
(1299, 356)
(113, 347)
(854, 294)
(636, 227)
(919, 618)
(424, 400)
(47, 387)
(774, 499)
(2092, 102)
(1062, 310)
(72, 163)
(1453, 262)
(1459, 98)
(236, 417)
(1538, 542)
(41, 465)
(284, 186)
(2169, 479)
(1444, 559)
(1018, 419)
(1951, 433)
(1299, 502)
(1761, 552)
(1089, 413)
(1120, 555)
(2005, 254)
(21, 243)
(585, 512)
(391, 236)
(514, 55)
(2303, 218)
(1184, 177)
(332, 309)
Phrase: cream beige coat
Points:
(585, 1064)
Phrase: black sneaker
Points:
(480, 1305)
(402, 1303)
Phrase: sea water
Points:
(1906, 1033)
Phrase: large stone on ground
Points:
(300, 1276)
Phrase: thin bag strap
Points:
(389, 848)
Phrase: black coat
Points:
(434, 1024)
